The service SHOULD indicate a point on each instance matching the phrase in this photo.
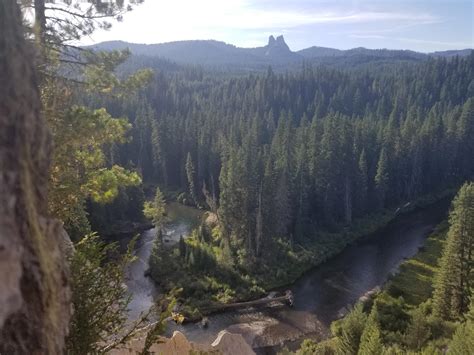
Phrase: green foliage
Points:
(371, 339)
(456, 274)
(201, 274)
(463, 340)
(415, 279)
(418, 332)
(289, 167)
(402, 319)
(103, 184)
(392, 313)
(191, 178)
(309, 347)
(71, 20)
(100, 77)
(161, 261)
(349, 330)
(156, 209)
(99, 298)
(79, 169)
(306, 161)
(382, 177)
(122, 215)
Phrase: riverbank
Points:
(413, 280)
(325, 293)
(293, 264)
(405, 293)
(181, 220)
(205, 280)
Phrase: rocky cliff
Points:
(34, 290)
(225, 344)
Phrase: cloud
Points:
(449, 44)
(164, 20)
(243, 16)
(257, 20)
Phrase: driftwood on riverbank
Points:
(287, 298)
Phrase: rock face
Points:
(277, 47)
(178, 344)
(34, 291)
(225, 344)
(228, 343)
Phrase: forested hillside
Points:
(287, 155)
(285, 158)
(229, 58)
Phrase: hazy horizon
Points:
(264, 43)
(421, 25)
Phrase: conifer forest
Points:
(312, 201)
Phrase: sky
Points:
(421, 25)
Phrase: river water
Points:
(320, 296)
(181, 221)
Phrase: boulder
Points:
(228, 343)
(177, 345)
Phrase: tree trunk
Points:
(40, 21)
(347, 201)
(34, 294)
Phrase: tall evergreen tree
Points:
(362, 183)
(418, 332)
(190, 174)
(463, 339)
(352, 327)
(156, 209)
(455, 277)
(382, 178)
(371, 340)
(466, 134)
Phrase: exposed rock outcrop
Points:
(225, 344)
(277, 47)
(228, 343)
(177, 345)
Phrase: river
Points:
(181, 220)
(320, 296)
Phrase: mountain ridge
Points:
(275, 52)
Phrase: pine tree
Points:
(382, 178)
(362, 190)
(182, 247)
(156, 210)
(259, 226)
(418, 332)
(158, 153)
(190, 176)
(463, 339)
(282, 205)
(453, 282)
(371, 341)
(99, 299)
(352, 327)
(466, 134)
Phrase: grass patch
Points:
(289, 264)
(414, 281)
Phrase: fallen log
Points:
(287, 298)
